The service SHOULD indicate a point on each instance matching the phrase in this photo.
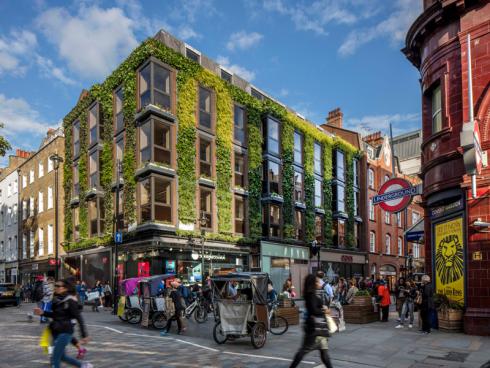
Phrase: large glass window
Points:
(40, 239)
(119, 150)
(400, 246)
(339, 165)
(31, 244)
(205, 158)
(272, 220)
(318, 193)
(319, 228)
(118, 110)
(399, 219)
(239, 215)
(387, 217)
(272, 176)
(371, 178)
(299, 224)
(50, 239)
(298, 187)
(206, 206)
(436, 98)
(339, 232)
(145, 200)
(76, 184)
(317, 158)
(161, 152)
(76, 138)
(355, 163)
(93, 124)
(240, 170)
(145, 142)
(357, 200)
(94, 170)
(155, 199)
(96, 212)
(272, 136)
(298, 148)
(205, 108)
(40, 202)
(371, 210)
(338, 198)
(154, 86)
(239, 124)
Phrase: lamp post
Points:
(315, 250)
(116, 228)
(202, 222)
(56, 163)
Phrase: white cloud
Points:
(186, 32)
(394, 27)
(284, 92)
(93, 41)
(15, 50)
(49, 70)
(243, 40)
(236, 69)
(372, 123)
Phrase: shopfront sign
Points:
(449, 259)
(346, 259)
(446, 209)
(395, 195)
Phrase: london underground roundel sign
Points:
(395, 195)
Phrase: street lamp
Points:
(202, 222)
(116, 229)
(56, 163)
(315, 250)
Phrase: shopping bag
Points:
(93, 296)
(332, 325)
(45, 340)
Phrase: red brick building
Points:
(388, 252)
(436, 44)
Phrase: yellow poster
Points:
(449, 259)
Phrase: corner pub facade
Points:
(457, 245)
(212, 168)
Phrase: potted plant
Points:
(362, 297)
(449, 313)
(361, 309)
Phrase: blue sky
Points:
(311, 55)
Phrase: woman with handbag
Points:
(316, 327)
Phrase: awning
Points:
(415, 234)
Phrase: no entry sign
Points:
(395, 195)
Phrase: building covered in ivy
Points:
(205, 157)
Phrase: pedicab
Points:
(241, 301)
(129, 308)
(152, 297)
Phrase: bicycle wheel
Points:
(134, 316)
(258, 335)
(278, 324)
(159, 320)
(124, 316)
(201, 314)
(218, 334)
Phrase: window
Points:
(14, 213)
(41, 170)
(192, 55)
(240, 180)
(155, 199)
(145, 142)
(372, 242)
(50, 165)
(24, 246)
(50, 239)
(31, 176)
(415, 217)
(9, 247)
(317, 158)
(298, 148)
(338, 198)
(40, 234)
(339, 232)
(399, 219)
(40, 202)
(318, 193)
(239, 215)
(298, 187)
(436, 99)
(272, 176)
(205, 108)
(239, 124)
(154, 86)
(388, 244)
(31, 244)
(31, 206)
(24, 209)
(387, 217)
(319, 228)
(50, 197)
(225, 76)
(400, 246)
(298, 225)
(371, 210)
(119, 150)
(370, 152)
(257, 94)
(94, 170)
(272, 136)
(76, 138)
(76, 185)
(76, 223)
(93, 124)
(205, 157)
(96, 212)
(24, 181)
(118, 110)
(357, 199)
(355, 163)
(9, 216)
(272, 221)
(416, 250)
(162, 151)
(206, 205)
(338, 166)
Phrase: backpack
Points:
(38, 293)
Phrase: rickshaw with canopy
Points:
(129, 309)
(152, 292)
(241, 307)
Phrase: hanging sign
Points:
(471, 142)
(395, 195)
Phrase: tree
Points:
(4, 144)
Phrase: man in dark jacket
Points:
(179, 308)
(427, 303)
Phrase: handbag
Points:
(418, 298)
(332, 325)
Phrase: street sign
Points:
(471, 143)
(118, 237)
(395, 195)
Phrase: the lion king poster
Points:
(449, 259)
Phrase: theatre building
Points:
(456, 217)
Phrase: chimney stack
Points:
(21, 153)
(334, 118)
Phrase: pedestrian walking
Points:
(18, 294)
(326, 288)
(107, 296)
(64, 310)
(427, 303)
(176, 298)
(316, 328)
(98, 301)
(400, 296)
(384, 300)
(81, 292)
(410, 291)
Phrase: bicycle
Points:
(278, 325)
(198, 308)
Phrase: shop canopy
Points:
(415, 234)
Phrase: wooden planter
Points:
(360, 311)
(290, 313)
(450, 320)
(285, 303)
(362, 301)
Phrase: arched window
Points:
(388, 244)
(372, 242)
